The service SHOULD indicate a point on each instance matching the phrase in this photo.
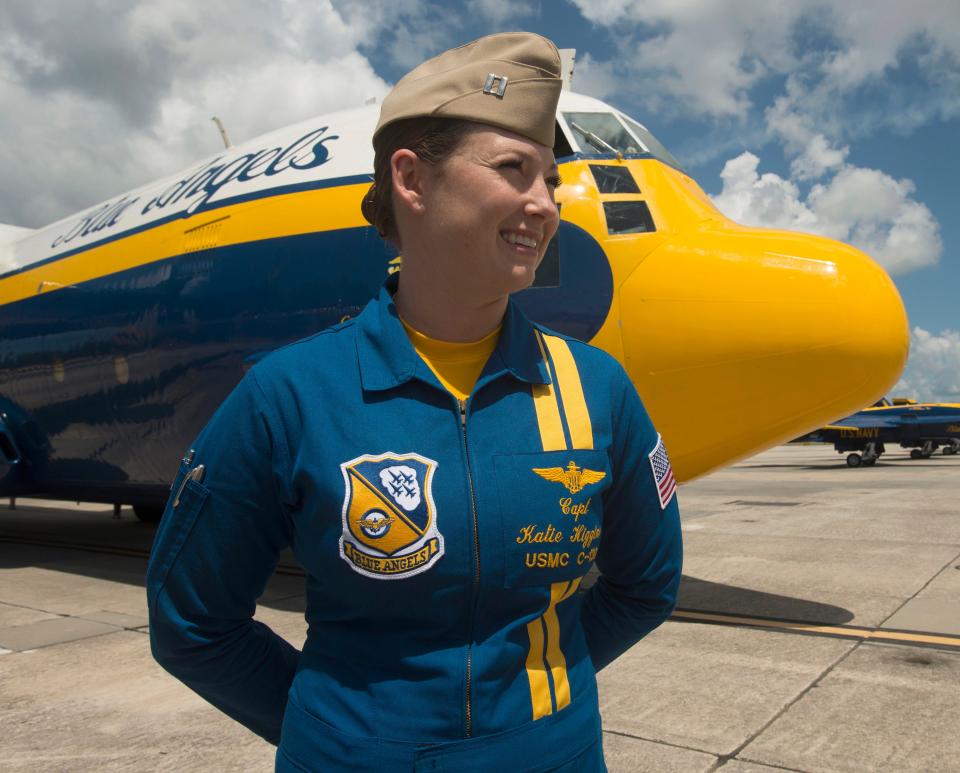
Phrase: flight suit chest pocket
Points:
(179, 516)
(551, 509)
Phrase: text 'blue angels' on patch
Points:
(389, 517)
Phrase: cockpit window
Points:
(613, 179)
(653, 145)
(611, 133)
(601, 132)
(628, 217)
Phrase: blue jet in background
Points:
(921, 427)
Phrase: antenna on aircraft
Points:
(568, 58)
(223, 132)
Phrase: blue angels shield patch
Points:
(389, 518)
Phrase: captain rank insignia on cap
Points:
(496, 85)
(389, 517)
(521, 70)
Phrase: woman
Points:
(445, 471)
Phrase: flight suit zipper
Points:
(476, 563)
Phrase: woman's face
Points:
(489, 211)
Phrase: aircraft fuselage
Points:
(123, 328)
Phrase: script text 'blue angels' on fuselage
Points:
(122, 328)
(921, 427)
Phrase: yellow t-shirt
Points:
(456, 365)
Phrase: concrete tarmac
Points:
(818, 630)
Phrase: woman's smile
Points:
(522, 243)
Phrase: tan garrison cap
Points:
(510, 80)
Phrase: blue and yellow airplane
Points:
(921, 427)
(122, 328)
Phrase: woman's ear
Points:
(407, 171)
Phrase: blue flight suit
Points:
(444, 545)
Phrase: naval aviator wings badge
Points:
(573, 478)
(389, 518)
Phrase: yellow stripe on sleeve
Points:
(548, 411)
(571, 390)
(537, 672)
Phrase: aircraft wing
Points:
(870, 418)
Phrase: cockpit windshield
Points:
(652, 143)
(612, 133)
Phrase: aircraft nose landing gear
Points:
(869, 458)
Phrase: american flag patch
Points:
(662, 473)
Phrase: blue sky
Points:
(838, 118)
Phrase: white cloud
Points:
(875, 213)
(411, 44)
(933, 370)
(693, 57)
(766, 200)
(605, 12)
(706, 56)
(593, 77)
(407, 31)
(500, 11)
(368, 19)
(817, 158)
(95, 100)
(863, 207)
(814, 155)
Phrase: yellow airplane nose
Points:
(739, 338)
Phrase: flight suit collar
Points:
(388, 359)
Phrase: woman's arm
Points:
(641, 552)
(217, 546)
